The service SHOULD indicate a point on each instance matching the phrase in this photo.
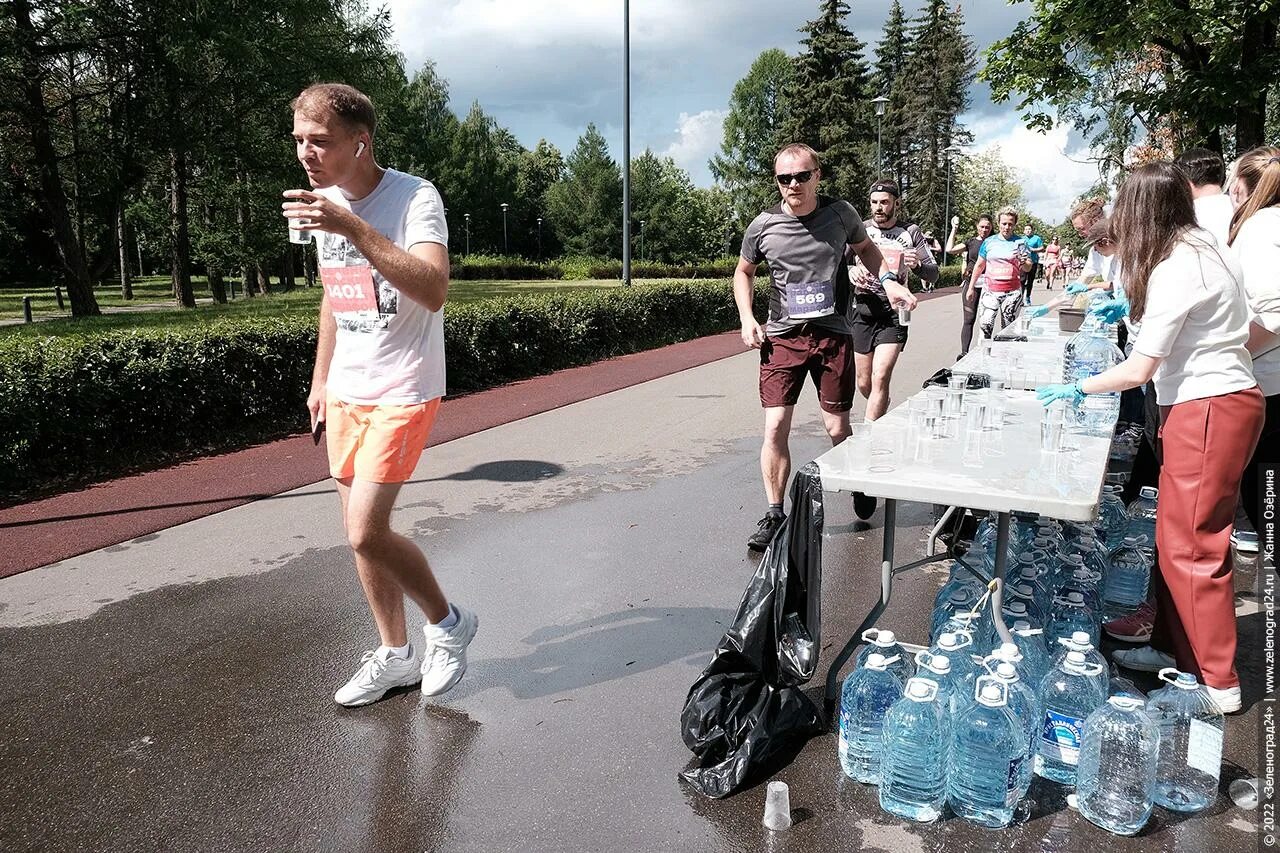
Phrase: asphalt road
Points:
(173, 692)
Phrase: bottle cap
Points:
(1081, 638)
(1072, 657)
(1150, 492)
(1126, 703)
(948, 640)
(1005, 670)
(921, 689)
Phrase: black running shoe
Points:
(863, 505)
(765, 532)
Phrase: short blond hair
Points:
(1007, 211)
(346, 103)
(799, 148)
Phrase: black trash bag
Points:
(746, 714)
(942, 378)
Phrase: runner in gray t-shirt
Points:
(805, 240)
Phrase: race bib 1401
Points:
(349, 289)
(808, 300)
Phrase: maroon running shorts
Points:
(826, 356)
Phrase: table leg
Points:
(886, 590)
(1002, 559)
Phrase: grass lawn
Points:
(156, 289)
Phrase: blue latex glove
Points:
(1038, 311)
(1111, 310)
(1075, 288)
(1053, 393)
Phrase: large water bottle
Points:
(885, 644)
(1113, 517)
(960, 599)
(1142, 515)
(913, 763)
(1080, 642)
(1089, 585)
(1089, 353)
(1116, 778)
(1126, 584)
(957, 648)
(1094, 553)
(1070, 613)
(986, 757)
(1035, 656)
(1025, 706)
(972, 626)
(1068, 694)
(936, 667)
(1191, 731)
(868, 694)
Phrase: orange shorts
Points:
(378, 444)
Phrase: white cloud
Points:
(1052, 175)
(700, 136)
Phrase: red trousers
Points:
(1206, 446)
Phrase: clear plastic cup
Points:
(859, 445)
(904, 315)
(777, 807)
(1051, 435)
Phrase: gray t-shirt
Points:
(806, 263)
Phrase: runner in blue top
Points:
(1034, 243)
(1001, 261)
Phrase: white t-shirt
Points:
(1213, 214)
(389, 349)
(1258, 248)
(1196, 321)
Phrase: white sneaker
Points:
(1246, 541)
(1144, 659)
(1227, 700)
(445, 659)
(378, 673)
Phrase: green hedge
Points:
(502, 268)
(78, 408)
(577, 267)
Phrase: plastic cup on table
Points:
(859, 445)
(1051, 435)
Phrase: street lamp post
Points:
(950, 151)
(626, 143)
(642, 239)
(539, 238)
(880, 103)
(467, 218)
(505, 249)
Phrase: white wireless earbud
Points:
(359, 149)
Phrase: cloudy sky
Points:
(545, 68)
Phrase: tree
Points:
(479, 179)
(939, 69)
(753, 133)
(585, 207)
(890, 80)
(984, 183)
(1118, 72)
(536, 172)
(829, 101)
(682, 224)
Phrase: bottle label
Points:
(1011, 782)
(1060, 738)
(1204, 748)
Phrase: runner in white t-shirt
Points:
(379, 374)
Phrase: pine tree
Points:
(586, 207)
(940, 67)
(753, 134)
(889, 80)
(830, 102)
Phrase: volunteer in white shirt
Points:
(1255, 238)
(1207, 173)
(1188, 297)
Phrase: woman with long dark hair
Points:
(1188, 296)
(1255, 237)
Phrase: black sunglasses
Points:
(802, 177)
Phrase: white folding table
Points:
(1002, 471)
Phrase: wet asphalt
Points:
(173, 694)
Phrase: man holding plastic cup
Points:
(379, 373)
(880, 329)
(808, 334)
